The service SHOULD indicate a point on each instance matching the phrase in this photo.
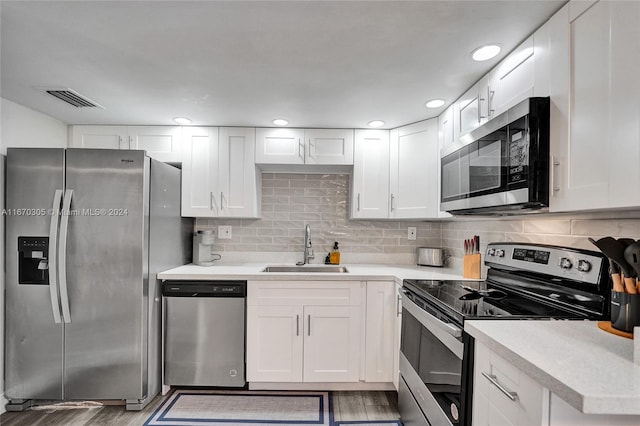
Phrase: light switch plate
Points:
(412, 232)
(224, 232)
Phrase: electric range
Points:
(524, 281)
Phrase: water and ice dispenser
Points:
(33, 263)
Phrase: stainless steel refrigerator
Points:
(86, 233)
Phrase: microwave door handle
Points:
(53, 257)
(64, 227)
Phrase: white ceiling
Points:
(244, 63)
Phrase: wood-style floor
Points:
(347, 406)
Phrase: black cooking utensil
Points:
(611, 248)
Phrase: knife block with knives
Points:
(472, 260)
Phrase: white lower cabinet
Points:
(304, 331)
(381, 339)
(502, 394)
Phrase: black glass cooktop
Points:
(462, 300)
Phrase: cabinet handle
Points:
(513, 396)
(308, 325)
(554, 184)
(301, 149)
(297, 325)
(490, 94)
(358, 201)
(392, 202)
(211, 201)
(221, 200)
(399, 306)
(130, 140)
(480, 116)
(311, 145)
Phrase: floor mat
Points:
(188, 407)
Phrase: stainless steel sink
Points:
(303, 269)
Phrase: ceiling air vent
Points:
(71, 97)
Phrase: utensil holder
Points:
(472, 266)
(625, 311)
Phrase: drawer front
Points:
(307, 293)
(504, 394)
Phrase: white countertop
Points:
(592, 370)
(252, 271)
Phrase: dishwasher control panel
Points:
(204, 289)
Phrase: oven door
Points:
(431, 352)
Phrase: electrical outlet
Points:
(412, 232)
(224, 232)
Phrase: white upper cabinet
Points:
(163, 143)
(199, 171)
(447, 133)
(396, 174)
(595, 143)
(300, 146)
(100, 137)
(370, 180)
(512, 80)
(239, 183)
(413, 172)
(219, 177)
(472, 107)
(328, 146)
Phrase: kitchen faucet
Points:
(308, 250)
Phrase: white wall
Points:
(24, 127)
(21, 127)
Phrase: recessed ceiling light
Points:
(485, 53)
(376, 123)
(280, 122)
(435, 103)
(182, 120)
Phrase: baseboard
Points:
(346, 386)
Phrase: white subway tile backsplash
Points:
(290, 201)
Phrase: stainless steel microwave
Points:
(501, 167)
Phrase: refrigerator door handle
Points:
(53, 251)
(64, 228)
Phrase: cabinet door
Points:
(413, 173)
(332, 343)
(624, 105)
(238, 181)
(370, 182)
(163, 143)
(381, 330)
(445, 128)
(581, 156)
(279, 146)
(199, 174)
(100, 137)
(512, 80)
(274, 343)
(328, 146)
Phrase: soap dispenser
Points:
(335, 254)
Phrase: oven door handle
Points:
(448, 328)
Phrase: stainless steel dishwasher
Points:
(204, 333)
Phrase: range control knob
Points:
(499, 252)
(584, 265)
(565, 263)
(491, 252)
